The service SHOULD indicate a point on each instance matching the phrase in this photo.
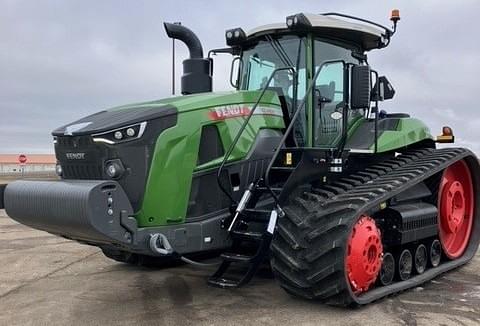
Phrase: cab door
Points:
(330, 91)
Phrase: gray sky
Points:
(61, 60)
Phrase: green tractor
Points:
(298, 167)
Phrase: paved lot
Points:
(46, 280)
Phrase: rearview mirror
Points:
(234, 72)
(385, 90)
(361, 87)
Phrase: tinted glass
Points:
(328, 116)
(259, 62)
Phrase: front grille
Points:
(82, 171)
(74, 142)
(89, 169)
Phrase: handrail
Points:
(242, 128)
(290, 127)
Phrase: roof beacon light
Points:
(395, 17)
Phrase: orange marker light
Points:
(447, 131)
(446, 136)
(395, 15)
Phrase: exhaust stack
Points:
(196, 76)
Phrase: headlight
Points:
(130, 132)
(58, 170)
(121, 135)
(114, 169)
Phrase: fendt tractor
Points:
(297, 167)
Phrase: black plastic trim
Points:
(108, 120)
(2, 192)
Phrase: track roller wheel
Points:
(388, 269)
(405, 264)
(435, 253)
(421, 259)
(456, 206)
(364, 254)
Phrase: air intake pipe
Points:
(196, 76)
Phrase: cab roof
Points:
(368, 37)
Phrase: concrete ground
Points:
(47, 280)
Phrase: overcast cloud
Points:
(61, 60)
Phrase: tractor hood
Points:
(134, 113)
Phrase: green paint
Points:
(353, 125)
(204, 100)
(175, 156)
(176, 150)
(409, 131)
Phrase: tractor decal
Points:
(235, 111)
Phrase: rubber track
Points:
(308, 249)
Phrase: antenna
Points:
(173, 61)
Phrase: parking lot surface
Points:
(47, 280)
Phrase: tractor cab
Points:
(324, 50)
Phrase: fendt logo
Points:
(225, 112)
(235, 111)
(75, 156)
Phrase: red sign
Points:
(22, 158)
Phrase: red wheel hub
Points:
(364, 254)
(455, 203)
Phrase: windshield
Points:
(263, 58)
(259, 62)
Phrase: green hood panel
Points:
(204, 100)
(409, 131)
(175, 156)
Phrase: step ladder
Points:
(252, 224)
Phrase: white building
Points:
(36, 163)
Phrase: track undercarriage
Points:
(335, 245)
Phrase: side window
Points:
(330, 82)
(302, 85)
(259, 72)
(211, 146)
(328, 115)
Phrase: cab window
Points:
(328, 115)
